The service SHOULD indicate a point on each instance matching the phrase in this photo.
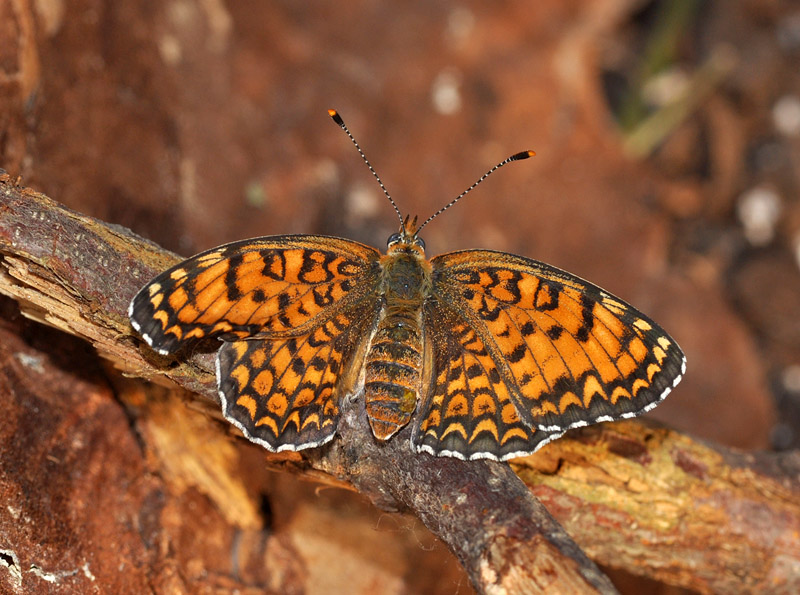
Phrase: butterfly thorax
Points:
(393, 364)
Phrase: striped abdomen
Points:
(393, 371)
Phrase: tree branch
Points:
(644, 499)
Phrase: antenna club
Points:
(522, 155)
(336, 117)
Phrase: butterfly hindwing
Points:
(265, 285)
(285, 393)
(568, 353)
(468, 412)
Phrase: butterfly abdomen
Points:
(393, 364)
(393, 371)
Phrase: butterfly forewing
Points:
(261, 286)
(567, 352)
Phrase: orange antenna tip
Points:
(522, 155)
(336, 117)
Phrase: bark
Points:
(633, 496)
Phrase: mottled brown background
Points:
(197, 122)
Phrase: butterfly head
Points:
(406, 239)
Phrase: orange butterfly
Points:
(492, 355)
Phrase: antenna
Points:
(338, 119)
(515, 157)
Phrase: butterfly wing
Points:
(285, 393)
(268, 285)
(468, 412)
(566, 352)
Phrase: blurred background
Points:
(667, 136)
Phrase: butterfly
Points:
(486, 354)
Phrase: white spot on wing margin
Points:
(483, 454)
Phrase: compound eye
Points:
(393, 239)
(420, 242)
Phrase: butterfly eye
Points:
(393, 239)
(420, 242)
